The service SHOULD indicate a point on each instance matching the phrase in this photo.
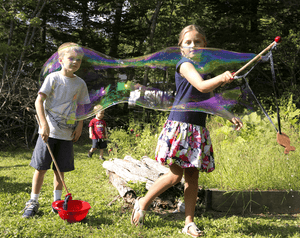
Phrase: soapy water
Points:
(112, 81)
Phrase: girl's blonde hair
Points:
(191, 28)
(69, 46)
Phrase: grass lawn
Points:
(90, 183)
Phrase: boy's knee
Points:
(40, 172)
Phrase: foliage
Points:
(138, 139)
(139, 188)
(290, 112)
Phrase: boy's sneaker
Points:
(31, 208)
(90, 154)
(53, 209)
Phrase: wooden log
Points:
(134, 168)
(124, 173)
(155, 165)
(149, 170)
(128, 169)
(120, 184)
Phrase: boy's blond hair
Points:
(69, 46)
(98, 108)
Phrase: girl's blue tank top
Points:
(185, 92)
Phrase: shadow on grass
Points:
(12, 187)
(97, 220)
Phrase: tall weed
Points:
(251, 159)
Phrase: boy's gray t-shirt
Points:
(63, 96)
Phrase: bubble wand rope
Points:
(53, 159)
(277, 40)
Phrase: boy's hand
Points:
(77, 132)
(237, 122)
(45, 131)
(91, 136)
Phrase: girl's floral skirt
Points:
(186, 145)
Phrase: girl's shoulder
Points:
(181, 61)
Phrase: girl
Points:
(184, 143)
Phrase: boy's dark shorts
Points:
(99, 143)
(62, 151)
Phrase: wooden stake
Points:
(277, 40)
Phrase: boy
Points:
(56, 106)
(98, 132)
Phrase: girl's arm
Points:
(39, 106)
(188, 71)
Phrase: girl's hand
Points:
(91, 136)
(237, 122)
(226, 77)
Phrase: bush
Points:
(138, 139)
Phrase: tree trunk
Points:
(151, 36)
(27, 41)
(11, 29)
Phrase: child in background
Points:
(98, 132)
(184, 143)
(57, 101)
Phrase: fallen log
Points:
(119, 183)
(147, 170)
(129, 169)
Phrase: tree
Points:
(31, 31)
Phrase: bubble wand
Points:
(274, 43)
(68, 196)
(282, 138)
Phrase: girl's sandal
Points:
(136, 210)
(187, 231)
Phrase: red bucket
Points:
(77, 210)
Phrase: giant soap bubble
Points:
(113, 81)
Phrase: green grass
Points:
(90, 183)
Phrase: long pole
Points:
(53, 159)
(277, 40)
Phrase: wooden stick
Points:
(277, 40)
(52, 156)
